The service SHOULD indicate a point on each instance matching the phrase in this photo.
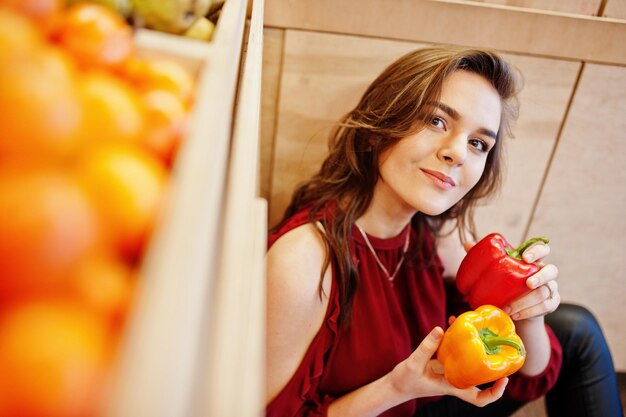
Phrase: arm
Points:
(529, 311)
(294, 311)
(543, 360)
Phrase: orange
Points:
(48, 223)
(105, 285)
(167, 120)
(95, 35)
(18, 35)
(128, 185)
(40, 109)
(113, 111)
(42, 12)
(161, 74)
(54, 358)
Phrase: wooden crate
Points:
(171, 329)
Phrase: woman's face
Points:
(433, 169)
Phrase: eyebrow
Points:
(456, 116)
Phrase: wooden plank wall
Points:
(583, 7)
(566, 164)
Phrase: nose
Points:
(453, 151)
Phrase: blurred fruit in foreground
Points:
(202, 29)
(104, 283)
(122, 7)
(215, 11)
(128, 186)
(43, 12)
(95, 35)
(82, 178)
(40, 110)
(160, 74)
(48, 223)
(173, 16)
(54, 358)
(166, 121)
(18, 35)
(113, 111)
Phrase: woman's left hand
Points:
(544, 297)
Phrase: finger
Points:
(550, 300)
(537, 310)
(491, 394)
(468, 245)
(427, 348)
(451, 320)
(538, 301)
(546, 274)
(536, 296)
(535, 252)
(479, 397)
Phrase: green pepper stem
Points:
(493, 342)
(517, 253)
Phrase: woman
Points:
(356, 296)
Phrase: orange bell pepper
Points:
(480, 346)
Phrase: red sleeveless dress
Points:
(388, 323)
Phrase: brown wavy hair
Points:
(393, 107)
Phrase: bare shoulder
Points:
(297, 257)
(295, 311)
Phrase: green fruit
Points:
(202, 29)
(172, 16)
(123, 7)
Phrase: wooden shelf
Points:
(233, 373)
(505, 28)
(157, 374)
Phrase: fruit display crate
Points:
(184, 351)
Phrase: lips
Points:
(439, 178)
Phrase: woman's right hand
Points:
(422, 376)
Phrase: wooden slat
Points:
(615, 9)
(193, 54)
(233, 372)
(506, 28)
(156, 375)
(583, 202)
(272, 67)
(586, 7)
(251, 380)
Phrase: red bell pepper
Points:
(493, 272)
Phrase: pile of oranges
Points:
(88, 133)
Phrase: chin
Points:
(432, 213)
(434, 209)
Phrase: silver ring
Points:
(551, 296)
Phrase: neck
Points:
(384, 218)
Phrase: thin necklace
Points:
(380, 264)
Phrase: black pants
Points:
(587, 384)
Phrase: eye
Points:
(438, 122)
(479, 144)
